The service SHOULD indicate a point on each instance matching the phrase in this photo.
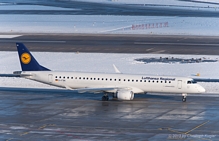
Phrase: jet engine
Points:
(125, 95)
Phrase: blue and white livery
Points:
(122, 86)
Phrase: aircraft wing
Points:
(100, 90)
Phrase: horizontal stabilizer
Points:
(20, 74)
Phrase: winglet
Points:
(116, 69)
(27, 61)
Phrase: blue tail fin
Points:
(28, 62)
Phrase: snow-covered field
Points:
(31, 7)
(109, 24)
(198, 3)
(90, 62)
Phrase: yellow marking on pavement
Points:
(186, 133)
(175, 131)
(44, 126)
(170, 129)
(9, 139)
(196, 127)
(25, 133)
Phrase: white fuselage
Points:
(137, 83)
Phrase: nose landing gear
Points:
(184, 97)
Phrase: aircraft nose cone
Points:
(201, 89)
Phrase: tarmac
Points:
(111, 43)
(40, 114)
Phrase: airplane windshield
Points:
(191, 82)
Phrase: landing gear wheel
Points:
(183, 99)
(105, 98)
(115, 95)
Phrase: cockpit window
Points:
(191, 82)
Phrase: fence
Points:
(149, 26)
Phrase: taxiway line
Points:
(196, 127)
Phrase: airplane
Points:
(121, 86)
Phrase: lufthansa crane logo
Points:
(25, 58)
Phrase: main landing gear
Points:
(184, 97)
(105, 97)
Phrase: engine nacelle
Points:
(125, 95)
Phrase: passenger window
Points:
(83, 77)
(90, 78)
(165, 81)
(75, 77)
(119, 79)
(79, 77)
(128, 80)
(157, 81)
(136, 80)
(114, 79)
(153, 81)
(71, 77)
(106, 79)
(132, 80)
(144, 80)
(161, 81)
(98, 79)
(102, 78)
(188, 82)
(64, 77)
(94, 78)
(67, 77)
(140, 80)
(124, 79)
(110, 79)
(56, 76)
(169, 81)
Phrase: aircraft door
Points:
(179, 84)
(50, 78)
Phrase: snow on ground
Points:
(31, 7)
(9, 36)
(90, 62)
(194, 3)
(212, 1)
(22, 23)
(109, 24)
